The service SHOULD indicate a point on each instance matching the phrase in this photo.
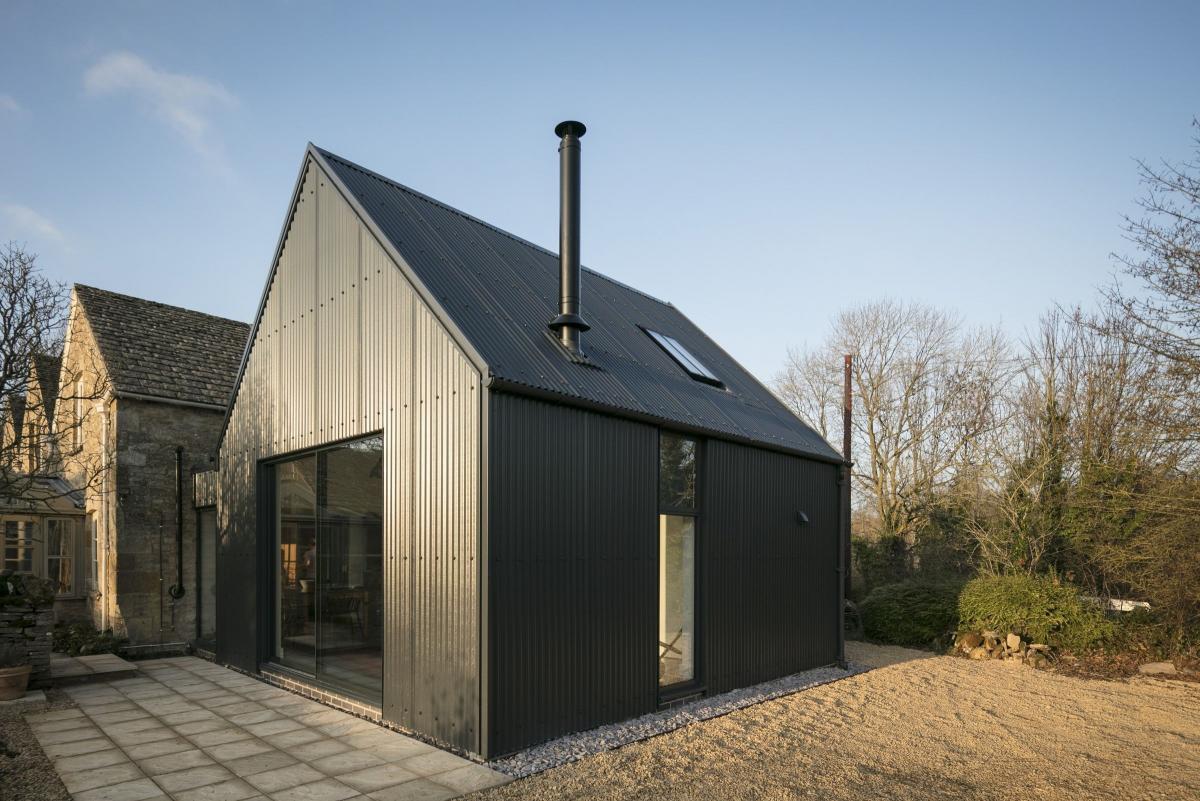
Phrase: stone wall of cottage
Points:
(129, 496)
(30, 630)
(87, 459)
(145, 517)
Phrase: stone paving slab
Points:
(189, 730)
(73, 669)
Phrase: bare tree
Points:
(46, 406)
(928, 401)
(1079, 454)
(806, 387)
(1162, 314)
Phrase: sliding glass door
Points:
(329, 596)
(350, 562)
(296, 530)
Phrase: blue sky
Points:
(759, 165)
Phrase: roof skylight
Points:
(690, 364)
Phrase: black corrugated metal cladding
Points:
(572, 550)
(573, 588)
(769, 601)
(500, 290)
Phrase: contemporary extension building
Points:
(471, 490)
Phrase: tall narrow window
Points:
(94, 550)
(33, 448)
(77, 428)
(60, 554)
(677, 560)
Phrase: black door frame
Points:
(268, 572)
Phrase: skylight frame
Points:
(691, 365)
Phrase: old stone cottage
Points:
(41, 514)
(142, 394)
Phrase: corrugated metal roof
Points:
(501, 291)
(164, 351)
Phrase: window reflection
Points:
(676, 599)
(351, 566)
(330, 540)
(19, 536)
(296, 494)
(60, 554)
(677, 472)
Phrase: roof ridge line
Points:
(159, 303)
(521, 240)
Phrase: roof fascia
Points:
(314, 153)
(509, 234)
(778, 403)
(72, 311)
(75, 312)
(496, 384)
(262, 302)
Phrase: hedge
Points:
(914, 612)
(1040, 608)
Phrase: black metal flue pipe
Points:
(569, 324)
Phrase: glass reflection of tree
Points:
(677, 480)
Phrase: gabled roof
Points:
(46, 369)
(14, 410)
(44, 372)
(499, 291)
(160, 351)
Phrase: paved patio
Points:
(77, 669)
(194, 731)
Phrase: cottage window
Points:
(94, 551)
(677, 560)
(33, 448)
(20, 538)
(60, 554)
(77, 428)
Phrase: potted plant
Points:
(14, 671)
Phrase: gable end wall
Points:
(345, 347)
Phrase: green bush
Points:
(80, 639)
(914, 612)
(1041, 608)
(25, 590)
(878, 562)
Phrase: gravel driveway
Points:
(917, 727)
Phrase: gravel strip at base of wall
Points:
(605, 738)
